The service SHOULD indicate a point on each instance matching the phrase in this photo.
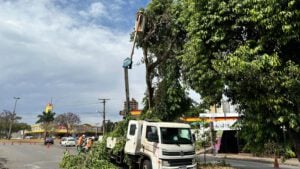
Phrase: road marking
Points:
(35, 165)
(32, 166)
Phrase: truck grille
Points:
(166, 153)
(180, 162)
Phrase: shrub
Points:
(97, 158)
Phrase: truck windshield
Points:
(176, 135)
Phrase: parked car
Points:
(61, 139)
(28, 137)
(68, 141)
(49, 140)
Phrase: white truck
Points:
(158, 145)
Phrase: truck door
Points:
(132, 143)
(151, 142)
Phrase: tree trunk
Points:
(150, 89)
(148, 78)
(295, 136)
(9, 131)
(45, 126)
(10, 128)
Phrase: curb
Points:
(254, 159)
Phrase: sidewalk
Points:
(250, 157)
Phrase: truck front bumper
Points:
(194, 166)
(165, 164)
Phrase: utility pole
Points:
(127, 109)
(12, 117)
(127, 63)
(103, 123)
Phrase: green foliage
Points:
(70, 161)
(148, 114)
(195, 109)
(120, 128)
(46, 117)
(249, 52)
(289, 153)
(6, 120)
(98, 157)
(119, 147)
(109, 126)
(94, 159)
(21, 126)
(170, 99)
(161, 40)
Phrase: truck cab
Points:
(160, 145)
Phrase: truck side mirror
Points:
(152, 137)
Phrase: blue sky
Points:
(68, 50)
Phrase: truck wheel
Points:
(147, 164)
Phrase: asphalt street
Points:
(38, 156)
(31, 156)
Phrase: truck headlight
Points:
(165, 163)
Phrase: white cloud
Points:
(95, 10)
(45, 52)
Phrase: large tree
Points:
(46, 119)
(68, 120)
(160, 41)
(248, 51)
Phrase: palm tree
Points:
(46, 120)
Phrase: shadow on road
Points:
(2, 162)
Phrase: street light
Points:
(16, 99)
(13, 117)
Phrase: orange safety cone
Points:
(276, 164)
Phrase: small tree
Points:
(21, 127)
(68, 120)
(7, 119)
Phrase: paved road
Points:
(246, 164)
(38, 156)
(31, 156)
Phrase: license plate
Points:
(182, 167)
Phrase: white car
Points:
(68, 141)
